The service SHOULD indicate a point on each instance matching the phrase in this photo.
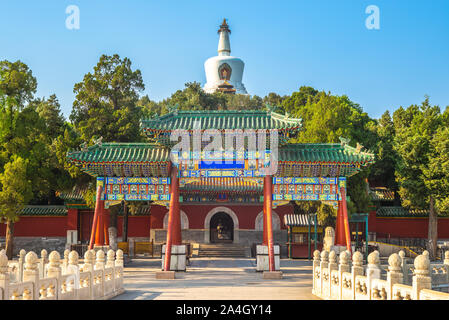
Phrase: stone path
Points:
(218, 279)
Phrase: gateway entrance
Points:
(221, 228)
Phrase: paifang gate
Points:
(165, 176)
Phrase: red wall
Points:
(35, 226)
(406, 227)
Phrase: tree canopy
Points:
(106, 101)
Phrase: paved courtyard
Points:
(218, 279)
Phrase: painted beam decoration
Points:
(307, 189)
(135, 188)
(225, 164)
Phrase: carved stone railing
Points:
(426, 294)
(20, 291)
(351, 280)
(49, 278)
(48, 289)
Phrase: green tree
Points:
(326, 118)
(106, 101)
(416, 174)
(438, 169)
(242, 101)
(50, 111)
(383, 170)
(298, 99)
(14, 195)
(274, 99)
(17, 84)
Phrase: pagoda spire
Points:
(224, 46)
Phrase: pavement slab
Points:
(217, 279)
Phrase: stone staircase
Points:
(229, 250)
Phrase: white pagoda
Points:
(223, 72)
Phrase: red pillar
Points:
(339, 227)
(99, 238)
(177, 236)
(268, 196)
(173, 236)
(105, 226)
(98, 205)
(345, 219)
(265, 239)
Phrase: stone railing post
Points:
(426, 253)
(421, 277)
(332, 261)
(332, 266)
(446, 265)
(119, 258)
(89, 261)
(324, 264)
(316, 263)
(342, 267)
(405, 267)
(356, 269)
(54, 265)
(74, 269)
(22, 254)
(54, 269)
(4, 274)
(65, 261)
(373, 270)
(394, 273)
(110, 259)
(99, 262)
(31, 272)
(43, 262)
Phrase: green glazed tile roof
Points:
(76, 194)
(144, 152)
(44, 211)
(245, 119)
(121, 152)
(381, 194)
(400, 212)
(326, 152)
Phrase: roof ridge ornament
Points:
(359, 148)
(83, 147)
(270, 108)
(98, 142)
(344, 141)
(173, 109)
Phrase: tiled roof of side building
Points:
(381, 194)
(121, 152)
(325, 152)
(75, 194)
(221, 120)
(400, 212)
(44, 211)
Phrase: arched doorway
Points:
(208, 226)
(221, 228)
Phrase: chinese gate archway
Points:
(157, 173)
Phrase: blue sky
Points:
(284, 44)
